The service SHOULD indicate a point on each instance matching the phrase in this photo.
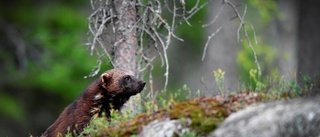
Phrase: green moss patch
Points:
(205, 115)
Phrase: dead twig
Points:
(242, 26)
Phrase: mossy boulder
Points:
(199, 116)
(286, 118)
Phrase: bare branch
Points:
(242, 25)
(196, 10)
(254, 34)
(207, 43)
(95, 70)
(149, 21)
(215, 18)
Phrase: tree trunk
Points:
(125, 56)
(125, 46)
(309, 41)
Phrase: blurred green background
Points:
(43, 62)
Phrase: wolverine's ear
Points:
(105, 77)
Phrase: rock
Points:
(165, 128)
(291, 118)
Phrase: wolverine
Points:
(110, 91)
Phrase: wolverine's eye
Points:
(127, 79)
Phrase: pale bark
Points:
(125, 46)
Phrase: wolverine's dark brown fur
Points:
(112, 89)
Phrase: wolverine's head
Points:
(118, 81)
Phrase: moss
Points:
(205, 115)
